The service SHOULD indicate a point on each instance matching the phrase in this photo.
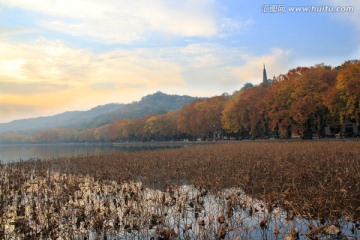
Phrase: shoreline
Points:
(166, 143)
(171, 143)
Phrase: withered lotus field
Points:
(230, 190)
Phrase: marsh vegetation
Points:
(243, 190)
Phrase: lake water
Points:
(17, 152)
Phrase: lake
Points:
(17, 152)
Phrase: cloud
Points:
(229, 26)
(353, 16)
(205, 67)
(29, 88)
(50, 75)
(124, 21)
(7, 31)
(277, 62)
(44, 61)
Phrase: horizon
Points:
(60, 56)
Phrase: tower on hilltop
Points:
(265, 79)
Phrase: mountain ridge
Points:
(155, 103)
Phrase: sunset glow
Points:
(74, 55)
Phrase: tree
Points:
(348, 87)
(102, 134)
(161, 127)
(56, 135)
(153, 127)
(168, 123)
(15, 137)
(202, 118)
(308, 109)
(247, 85)
(279, 103)
(87, 135)
(245, 113)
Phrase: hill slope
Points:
(72, 119)
(151, 104)
(156, 103)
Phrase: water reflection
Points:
(17, 152)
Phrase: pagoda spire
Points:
(265, 80)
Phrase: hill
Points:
(151, 104)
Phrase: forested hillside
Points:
(73, 119)
(156, 103)
(319, 100)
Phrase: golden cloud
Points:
(48, 74)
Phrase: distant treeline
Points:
(306, 100)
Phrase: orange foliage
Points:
(202, 118)
(305, 100)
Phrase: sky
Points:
(61, 55)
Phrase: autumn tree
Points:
(161, 127)
(121, 130)
(348, 92)
(297, 101)
(15, 137)
(168, 121)
(308, 109)
(135, 129)
(87, 135)
(56, 135)
(304, 100)
(202, 118)
(102, 134)
(245, 113)
(279, 103)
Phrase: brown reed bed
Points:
(141, 194)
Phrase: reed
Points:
(240, 190)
